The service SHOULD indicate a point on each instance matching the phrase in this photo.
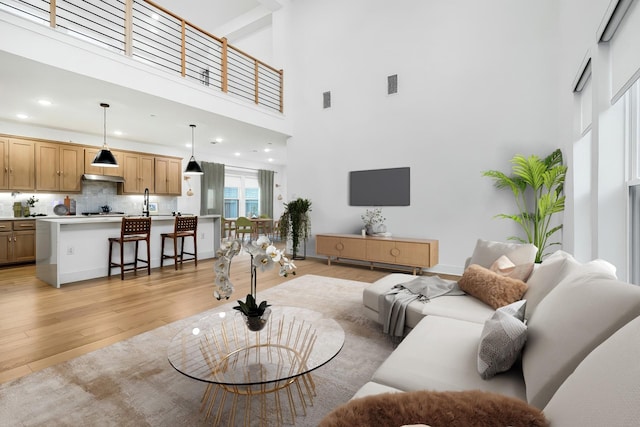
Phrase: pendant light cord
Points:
(192, 142)
(104, 133)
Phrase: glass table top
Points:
(220, 349)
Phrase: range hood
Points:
(103, 178)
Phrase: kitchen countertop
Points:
(80, 219)
(22, 218)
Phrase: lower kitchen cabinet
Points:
(17, 241)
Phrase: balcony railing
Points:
(151, 34)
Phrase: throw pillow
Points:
(487, 252)
(491, 288)
(470, 408)
(502, 339)
(505, 267)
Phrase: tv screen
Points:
(380, 187)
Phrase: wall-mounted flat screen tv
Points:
(380, 187)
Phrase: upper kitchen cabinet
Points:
(4, 163)
(59, 167)
(90, 154)
(138, 172)
(17, 164)
(168, 174)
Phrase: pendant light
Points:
(105, 157)
(193, 168)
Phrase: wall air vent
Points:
(326, 100)
(392, 84)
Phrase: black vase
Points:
(257, 323)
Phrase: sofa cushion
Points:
(554, 269)
(463, 307)
(604, 389)
(491, 288)
(442, 354)
(502, 339)
(446, 408)
(574, 318)
(487, 252)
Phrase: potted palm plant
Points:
(537, 186)
(295, 223)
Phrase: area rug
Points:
(131, 383)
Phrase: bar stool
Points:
(132, 230)
(183, 226)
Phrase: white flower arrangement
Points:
(372, 217)
(264, 255)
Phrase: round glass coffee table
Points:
(219, 349)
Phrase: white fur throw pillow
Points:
(502, 339)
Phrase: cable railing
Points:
(148, 33)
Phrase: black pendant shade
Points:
(105, 157)
(193, 168)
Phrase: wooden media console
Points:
(396, 251)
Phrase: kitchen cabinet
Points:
(4, 163)
(90, 154)
(17, 241)
(59, 167)
(17, 164)
(168, 174)
(138, 172)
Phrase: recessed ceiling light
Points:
(188, 145)
(22, 116)
(266, 150)
(44, 102)
(219, 140)
(270, 159)
(236, 154)
(117, 132)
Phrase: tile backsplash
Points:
(94, 195)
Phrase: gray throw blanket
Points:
(392, 305)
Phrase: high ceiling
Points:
(139, 116)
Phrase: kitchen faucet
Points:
(145, 203)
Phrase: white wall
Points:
(477, 85)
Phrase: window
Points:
(632, 126)
(241, 194)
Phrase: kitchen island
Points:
(71, 249)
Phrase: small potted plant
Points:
(373, 221)
(255, 315)
(31, 203)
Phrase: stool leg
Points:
(162, 252)
(182, 250)
(195, 249)
(148, 258)
(135, 260)
(175, 252)
(122, 260)
(110, 247)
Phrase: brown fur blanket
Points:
(471, 408)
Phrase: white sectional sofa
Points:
(580, 364)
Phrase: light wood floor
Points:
(41, 326)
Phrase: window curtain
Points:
(265, 183)
(212, 189)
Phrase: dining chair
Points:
(244, 226)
